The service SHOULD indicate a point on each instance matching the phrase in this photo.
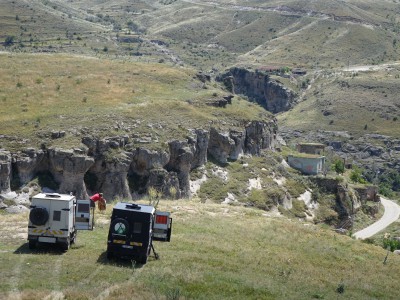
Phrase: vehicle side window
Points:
(57, 215)
(137, 227)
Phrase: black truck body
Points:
(132, 229)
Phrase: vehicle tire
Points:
(38, 216)
(119, 226)
(143, 259)
(110, 255)
(32, 244)
(65, 245)
(73, 239)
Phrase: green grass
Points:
(42, 93)
(216, 252)
(361, 104)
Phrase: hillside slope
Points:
(209, 34)
(216, 252)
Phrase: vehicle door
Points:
(162, 227)
(84, 215)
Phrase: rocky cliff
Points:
(259, 87)
(121, 170)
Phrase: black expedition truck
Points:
(133, 229)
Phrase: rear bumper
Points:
(127, 250)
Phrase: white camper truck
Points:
(55, 218)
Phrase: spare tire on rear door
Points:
(119, 226)
(38, 216)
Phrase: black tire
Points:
(119, 226)
(143, 259)
(65, 245)
(110, 255)
(73, 239)
(38, 216)
(32, 244)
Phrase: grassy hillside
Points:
(209, 34)
(327, 33)
(359, 102)
(216, 252)
(81, 95)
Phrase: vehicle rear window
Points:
(57, 215)
(137, 227)
(84, 208)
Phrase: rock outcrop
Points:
(28, 163)
(114, 166)
(5, 171)
(69, 168)
(259, 87)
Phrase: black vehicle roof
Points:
(134, 207)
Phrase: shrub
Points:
(356, 176)
(326, 215)
(338, 166)
(264, 199)
(9, 40)
(389, 243)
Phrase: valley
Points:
(201, 104)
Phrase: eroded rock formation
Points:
(120, 170)
(5, 171)
(259, 87)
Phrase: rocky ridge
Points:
(259, 87)
(121, 170)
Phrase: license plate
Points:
(45, 239)
(127, 247)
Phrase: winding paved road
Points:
(392, 213)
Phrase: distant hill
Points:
(209, 34)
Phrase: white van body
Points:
(52, 219)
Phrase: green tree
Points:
(356, 175)
(338, 166)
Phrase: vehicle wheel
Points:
(143, 260)
(65, 246)
(119, 226)
(32, 244)
(110, 255)
(73, 240)
(38, 216)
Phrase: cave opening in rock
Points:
(137, 183)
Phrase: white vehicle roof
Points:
(54, 196)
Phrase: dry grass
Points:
(217, 252)
(360, 104)
(42, 93)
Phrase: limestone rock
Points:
(68, 169)
(220, 145)
(5, 171)
(144, 160)
(16, 209)
(114, 182)
(27, 163)
(165, 182)
(258, 86)
(180, 161)
(260, 135)
(199, 143)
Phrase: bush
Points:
(265, 199)
(391, 244)
(338, 166)
(9, 40)
(326, 215)
(356, 176)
